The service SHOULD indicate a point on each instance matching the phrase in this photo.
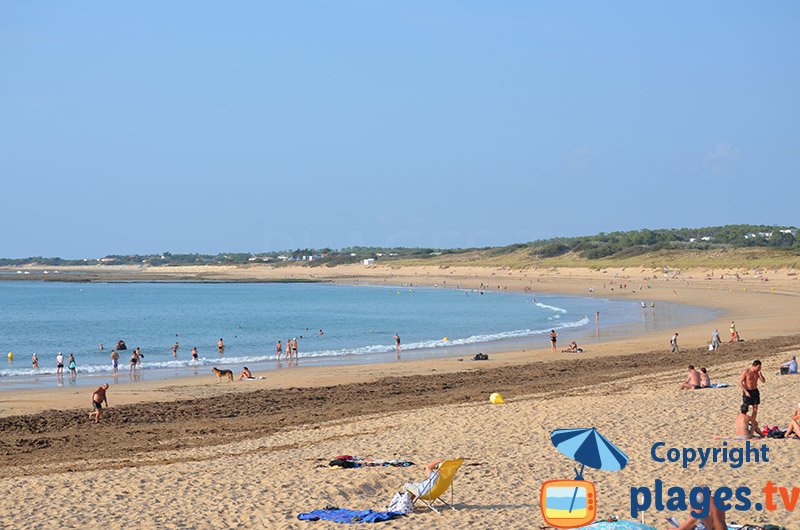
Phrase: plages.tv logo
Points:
(573, 503)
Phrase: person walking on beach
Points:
(733, 331)
(35, 361)
(98, 398)
(59, 364)
(751, 396)
(397, 343)
(175, 348)
(220, 346)
(73, 367)
(278, 350)
(553, 339)
(715, 340)
(115, 362)
(674, 343)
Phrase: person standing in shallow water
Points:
(73, 366)
(115, 362)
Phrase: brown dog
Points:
(222, 373)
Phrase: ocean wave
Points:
(550, 307)
(241, 360)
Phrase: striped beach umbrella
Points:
(590, 448)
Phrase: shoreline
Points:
(518, 350)
(751, 305)
(588, 336)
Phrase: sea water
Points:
(333, 324)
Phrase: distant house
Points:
(706, 238)
(692, 239)
(368, 261)
(107, 260)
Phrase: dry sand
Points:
(196, 454)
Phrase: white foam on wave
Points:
(256, 358)
(550, 307)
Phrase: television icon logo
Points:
(568, 503)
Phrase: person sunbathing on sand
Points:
(715, 520)
(794, 424)
(573, 348)
(418, 489)
(746, 426)
(245, 374)
(705, 379)
(692, 380)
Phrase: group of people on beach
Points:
(747, 424)
(288, 349)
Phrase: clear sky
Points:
(250, 126)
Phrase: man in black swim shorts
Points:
(753, 399)
(98, 398)
(749, 383)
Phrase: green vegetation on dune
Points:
(716, 247)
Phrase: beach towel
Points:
(343, 515)
(719, 385)
(619, 525)
(347, 461)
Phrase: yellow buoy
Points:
(11, 356)
(445, 339)
(496, 399)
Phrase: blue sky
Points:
(251, 126)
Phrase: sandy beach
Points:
(192, 453)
